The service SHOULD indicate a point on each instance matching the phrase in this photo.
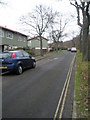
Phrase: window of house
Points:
(9, 35)
(19, 38)
(24, 39)
(1, 33)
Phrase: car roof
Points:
(15, 51)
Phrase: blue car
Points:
(16, 61)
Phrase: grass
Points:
(81, 87)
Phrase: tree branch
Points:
(29, 24)
(2, 3)
(78, 14)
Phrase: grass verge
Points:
(81, 87)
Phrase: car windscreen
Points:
(4, 55)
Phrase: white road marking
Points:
(55, 58)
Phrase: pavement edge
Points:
(74, 114)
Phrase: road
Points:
(37, 92)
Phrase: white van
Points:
(73, 49)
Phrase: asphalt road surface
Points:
(41, 92)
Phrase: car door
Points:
(27, 59)
(20, 58)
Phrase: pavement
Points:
(74, 115)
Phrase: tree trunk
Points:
(56, 46)
(80, 41)
(85, 38)
(41, 50)
(89, 48)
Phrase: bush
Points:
(30, 52)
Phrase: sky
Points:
(10, 14)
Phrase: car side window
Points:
(25, 54)
(19, 54)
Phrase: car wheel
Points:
(19, 70)
(33, 64)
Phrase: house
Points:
(10, 39)
(34, 43)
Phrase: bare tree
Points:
(39, 20)
(58, 32)
(84, 8)
(2, 2)
(73, 34)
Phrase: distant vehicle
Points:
(73, 49)
(16, 61)
(69, 49)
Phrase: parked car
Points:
(16, 61)
(73, 49)
(69, 49)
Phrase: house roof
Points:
(2, 27)
(32, 38)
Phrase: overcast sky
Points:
(10, 14)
